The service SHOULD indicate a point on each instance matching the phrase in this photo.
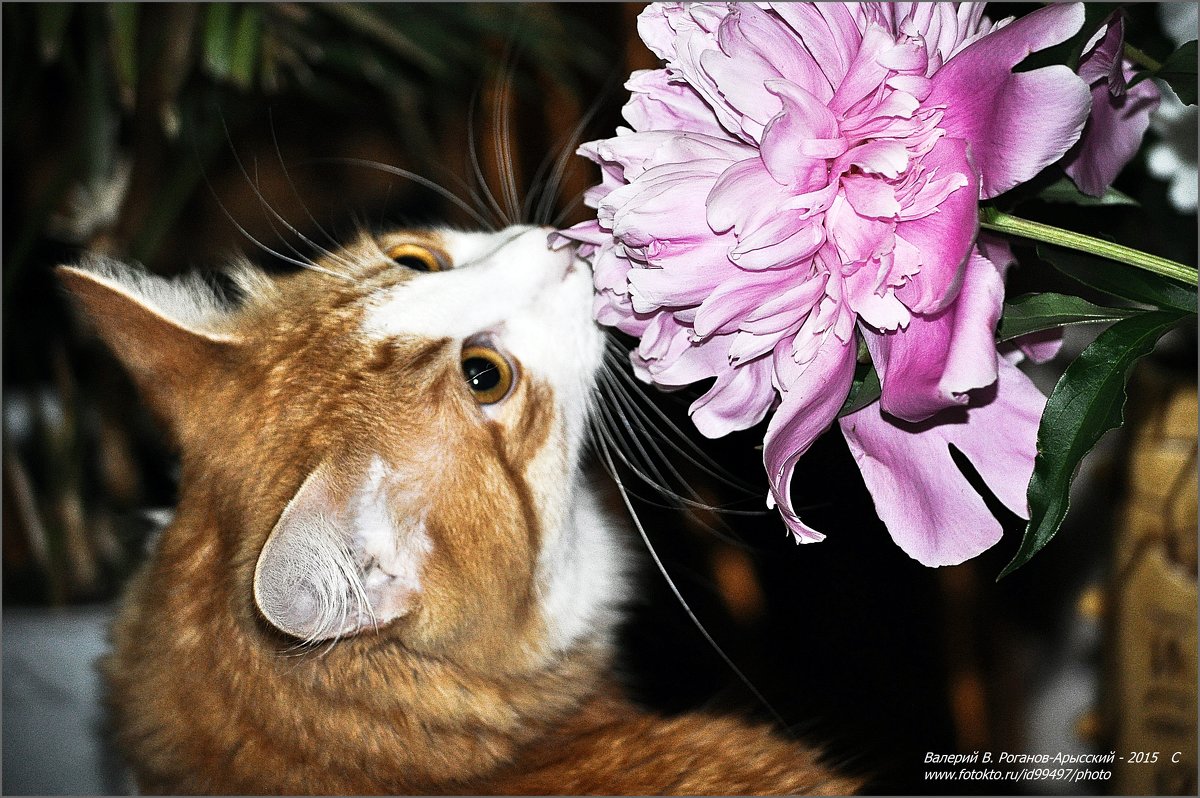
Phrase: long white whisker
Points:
(637, 522)
(288, 176)
(503, 142)
(477, 170)
(552, 187)
(619, 360)
(442, 191)
(648, 438)
(303, 262)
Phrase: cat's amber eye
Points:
(416, 257)
(488, 373)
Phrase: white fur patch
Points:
(495, 275)
(583, 575)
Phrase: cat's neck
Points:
(216, 693)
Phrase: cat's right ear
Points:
(167, 333)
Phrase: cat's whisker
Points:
(247, 235)
(300, 260)
(552, 187)
(477, 169)
(505, 163)
(568, 208)
(279, 235)
(669, 432)
(421, 180)
(650, 474)
(637, 522)
(331, 254)
(647, 438)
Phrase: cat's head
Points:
(388, 443)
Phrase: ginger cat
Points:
(386, 573)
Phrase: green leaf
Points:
(1179, 71)
(247, 39)
(864, 390)
(1087, 402)
(218, 40)
(1037, 312)
(1064, 191)
(1069, 52)
(124, 49)
(1132, 284)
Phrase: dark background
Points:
(211, 109)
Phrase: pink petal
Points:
(739, 399)
(658, 103)
(938, 359)
(796, 143)
(744, 197)
(828, 31)
(1040, 347)
(811, 399)
(944, 237)
(1017, 123)
(929, 508)
(1112, 136)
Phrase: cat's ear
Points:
(341, 560)
(167, 333)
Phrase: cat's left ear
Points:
(346, 555)
(171, 335)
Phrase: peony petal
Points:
(811, 399)
(828, 31)
(1041, 347)
(804, 120)
(1112, 136)
(938, 359)
(944, 237)
(658, 103)
(783, 240)
(929, 508)
(1018, 123)
(739, 399)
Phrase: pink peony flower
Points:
(803, 177)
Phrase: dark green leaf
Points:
(1069, 52)
(1179, 71)
(247, 40)
(864, 390)
(1036, 312)
(1064, 191)
(124, 49)
(1087, 402)
(1135, 285)
(218, 40)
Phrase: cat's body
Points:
(383, 461)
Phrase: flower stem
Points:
(1141, 59)
(992, 219)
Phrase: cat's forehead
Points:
(491, 279)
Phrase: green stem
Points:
(992, 219)
(1141, 59)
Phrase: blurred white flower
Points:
(1173, 157)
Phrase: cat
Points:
(386, 572)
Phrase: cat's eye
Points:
(488, 373)
(416, 257)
